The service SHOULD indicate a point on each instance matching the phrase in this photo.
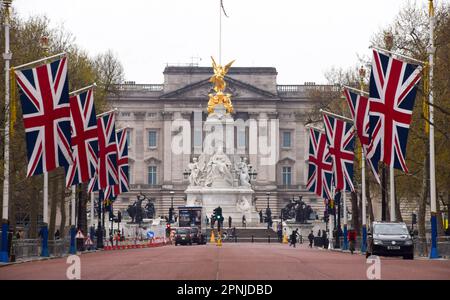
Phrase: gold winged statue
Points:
(219, 87)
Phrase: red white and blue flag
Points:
(84, 139)
(46, 115)
(359, 109)
(111, 192)
(320, 165)
(93, 184)
(341, 142)
(107, 151)
(122, 161)
(392, 96)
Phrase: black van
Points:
(390, 239)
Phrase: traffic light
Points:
(119, 216)
(414, 218)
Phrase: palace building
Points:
(153, 113)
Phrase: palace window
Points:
(152, 138)
(286, 139)
(287, 175)
(152, 175)
(197, 136)
(128, 133)
(241, 138)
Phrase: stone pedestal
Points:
(234, 201)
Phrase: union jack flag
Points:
(320, 167)
(84, 139)
(340, 141)
(392, 95)
(122, 161)
(93, 184)
(46, 115)
(359, 109)
(107, 151)
(111, 192)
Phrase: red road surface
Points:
(229, 262)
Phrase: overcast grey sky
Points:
(302, 39)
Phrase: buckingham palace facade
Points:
(149, 110)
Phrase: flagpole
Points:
(337, 116)
(44, 230)
(79, 91)
(344, 197)
(332, 225)
(361, 92)
(92, 209)
(5, 206)
(107, 112)
(73, 232)
(220, 32)
(433, 206)
(53, 57)
(392, 193)
(362, 74)
(397, 54)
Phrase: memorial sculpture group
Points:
(297, 210)
(137, 213)
(217, 178)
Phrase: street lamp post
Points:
(7, 57)
(362, 75)
(44, 229)
(171, 207)
(268, 211)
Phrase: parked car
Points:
(390, 239)
(197, 236)
(183, 236)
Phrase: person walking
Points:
(260, 216)
(293, 238)
(324, 239)
(311, 239)
(229, 221)
(244, 221)
(351, 235)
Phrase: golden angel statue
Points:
(219, 87)
(219, 74)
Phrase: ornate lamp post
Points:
(362, 75)
(7, 57)
(268, 212)
(171, 207)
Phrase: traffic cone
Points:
(285, 239)
(212, 239)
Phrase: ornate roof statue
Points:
(219, 87)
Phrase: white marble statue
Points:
(243, 205)
(194, 178)
(244, 177)
(218, 169)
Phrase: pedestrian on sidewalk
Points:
(229, 221)
(260, 216)
(293, 238)
(311, 239)
(244, 221)
(351, 235)
(324, 239)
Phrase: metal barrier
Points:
(31, 248)
(26, 248)
(58, 248)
